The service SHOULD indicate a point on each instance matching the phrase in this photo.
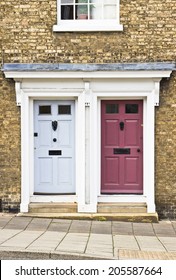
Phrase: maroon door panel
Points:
(122, 147)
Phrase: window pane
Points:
(67, 12)
(131, 108)
(110, 12)
(82, 11)
(112, 108)
(67, 1)
(64, 109)
(44, 110)
(88, 9)
(96, 11)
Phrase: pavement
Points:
(47, 238)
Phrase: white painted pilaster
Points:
(25, 170)
(81, 152)
(150, 153)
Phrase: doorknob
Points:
(54, 125)
(121, 125)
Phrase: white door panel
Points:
(54, 147)
(64, 133)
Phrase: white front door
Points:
(54, 147)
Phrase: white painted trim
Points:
(25, 163)
(53, 198)
(18, 92)
(81, 156)
(93, 74)
(126, 85)
(88, 26)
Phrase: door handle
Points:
(54, 125)
(121, 125)
(138, 150)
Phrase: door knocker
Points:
(54, 125)
(121, 125)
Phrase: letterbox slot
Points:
(122, 151)
(55, 153)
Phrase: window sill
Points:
(87, 26)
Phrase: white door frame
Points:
(87, 89)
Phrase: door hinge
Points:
(35, 134)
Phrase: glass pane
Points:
(131, 108)
(67, 1)
(64, 109)
(67, 12)
(112, 108)
(82, 11)
(81, 1)
(110, 12)
(96, 12)
(45, 110)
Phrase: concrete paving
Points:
(47, 238)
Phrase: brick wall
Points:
(166, 149)
(9, 147)
(149, 35)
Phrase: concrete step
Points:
(52, 208)
(122, 208)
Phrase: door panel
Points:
(65, 171)
(112, 167)
(54, 147)
(45, 170)
(122, 147)
(131, 133)
(111, 132)
(131, 167)
(64, 133)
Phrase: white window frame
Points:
(87, 25)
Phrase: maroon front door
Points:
(122, 147)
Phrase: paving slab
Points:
(101, 227)
(74, 242)
(80, 226)
(38, 224)
(174, 225)
(125, 242)
(143, 229)
(6, 234)
(164, 228)
(100, 244)
(168, 242)
(60, 226)
(4, 220)
(145, 255)
(22, 240)
(122, 228)
(47, 241)
(18, 223)
(149, 243)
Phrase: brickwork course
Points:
(149, 35)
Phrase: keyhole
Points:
(54, 140)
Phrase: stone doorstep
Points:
(123, 217)
(122, 208)
(101, 208)
(53, 207)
